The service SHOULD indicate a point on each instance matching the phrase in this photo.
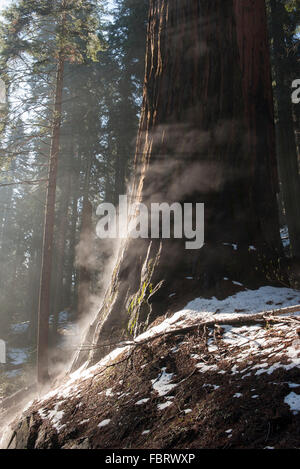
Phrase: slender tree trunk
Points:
(198, 143)
(287, 149)
(44, 300)
(33, 289)
(61, 243)
(69, 294)
(85, 245)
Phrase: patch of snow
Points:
(293, 385)
(20, 327)
(55, 416)
(17, 356)
(238, 395)
(187, 411)
(145, 432)
(42, 413)
(104, 423)
(293, 400)
(162, 384)
(295, 362)
(234, 246)
(250, 301)
(83, 374)
(210, 346)
(142, 401)
(164, 405)
(203, 367)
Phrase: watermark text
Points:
(158, 221)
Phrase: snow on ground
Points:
(293, 400)
(249, 301)
(104, 423)
(17, 356)
(84, 421)
(164, 405)
(55, 416)
(234, 246)
(142, 401)
(244, 302)
(261, 349)
(70, 388)
(247, 337)
(162, 384)
(20, 328)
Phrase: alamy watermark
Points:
(158, 221)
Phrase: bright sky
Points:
(4, 3)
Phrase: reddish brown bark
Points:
(199, 141)
(252, 34)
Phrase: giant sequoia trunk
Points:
(206, 135)
(287, 148)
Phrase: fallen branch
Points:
(243, 319)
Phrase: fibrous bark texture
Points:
(206, 136)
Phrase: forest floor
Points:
(209, 376)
